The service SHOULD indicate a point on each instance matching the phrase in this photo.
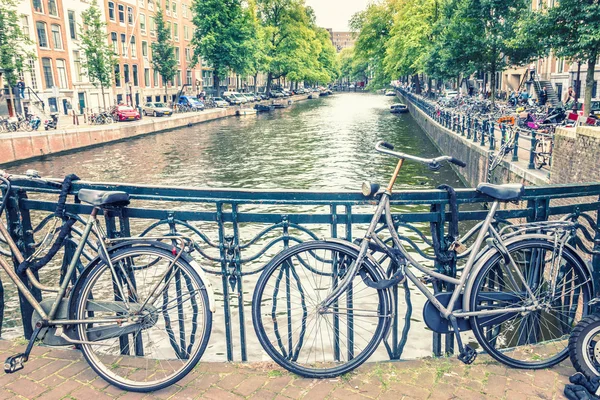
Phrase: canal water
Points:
(321, 144)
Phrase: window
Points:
(113, 37)
(25, 25)
(56, 37)
(38, 6)
(144, 48)
(77, 63)
(72, 24)
(32, 68)
(188, 77)
(61, 69)
(178, 77)
(111, 10)
(141, 3)
(152, 27)
(177, 55)
(130, 15)
(126, 72)
(174, 8)
(52, 10)
(168, 7)
(143, 22)
(155, 78)
(184, 10)
(147, 77)
(47, 72)
(123, 45)
(117, 76)
(135, 75)
(188, 55)
(121, 13)
(186, 32)
(176, 31)
(133, 47)
(594, 89)
(561, 65)
(41, 33)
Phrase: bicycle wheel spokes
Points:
(536, 337)
(300, 335)
(146, 347)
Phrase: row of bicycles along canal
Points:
(141, 311)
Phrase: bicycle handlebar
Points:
(31, 175)
(432, 163)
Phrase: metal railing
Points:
(487, 133)
(239, 231)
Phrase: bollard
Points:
(475, 127)
(469, 127)
(515, 156)
(484, 130)
(492, 138)
(462, 132)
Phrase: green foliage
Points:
(98, 58)
(225, 36)
(13, 42)
(163, 50)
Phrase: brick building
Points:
(341, 40)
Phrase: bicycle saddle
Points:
(101, 198)
(507, 192)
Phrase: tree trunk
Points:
(589, 84)
(493, 83)
(103, 99)
(255, 82)
(216, 84)
(269, 78)
(417, 83)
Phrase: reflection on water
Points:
(322, 144)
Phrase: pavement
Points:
(62, 373)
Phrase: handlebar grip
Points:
(387, 145)
(456, 161)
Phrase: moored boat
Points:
(398, 108)
(263, 107)
(246, 111)
(390, 92)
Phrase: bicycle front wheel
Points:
(142, 345)
(536, 338)
(292, 329)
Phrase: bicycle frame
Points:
(486, 230)
(92, 224)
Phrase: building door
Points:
(559, 89)
(52, 103)
(81, 98)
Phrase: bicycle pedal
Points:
(468, 355)
(15, 363)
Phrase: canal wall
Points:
(575, 155)
(20, 146)
(472, 153)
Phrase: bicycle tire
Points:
(495, 338)
(181, 346)
(289, 351)
(582, 346)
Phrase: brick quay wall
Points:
(21, 146)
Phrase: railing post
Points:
(532, 150)
(492, 137)
(469, 127)
(596, 257)
(484, 130)
(515, 156)
(502, 134)
(462, 132)
(475, 127)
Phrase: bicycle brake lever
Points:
(434, 166)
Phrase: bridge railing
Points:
(239, 231)
(531, 146)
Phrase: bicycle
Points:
(520, 293)
(140, 311)
(507, 147)
(543, 149)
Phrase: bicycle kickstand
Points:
(16, 362)
(466, 354)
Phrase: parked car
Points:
(451, 94)
(263, 96)
(234, 101)
(249, 96)
(274, 94)
(191, 102)
(243, 99)
(594, 109)
(156, 109)
(220, 102)
(125, 113)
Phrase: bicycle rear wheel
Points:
(150, 346)
(537, 338)
(289, 326)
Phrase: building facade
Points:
(341, 40)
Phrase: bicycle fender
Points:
(487, 254)
(138, 243)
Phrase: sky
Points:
(335, 14)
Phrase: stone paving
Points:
(62, 373)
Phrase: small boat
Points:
(398, 108)
(280, 105)
(390, 92)
(263, 107)
(246, 111)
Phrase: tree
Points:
(13, 42)
(98, 58)
(224, 36)
(163, 50)
(572, 30)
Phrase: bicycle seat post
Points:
(396, 172)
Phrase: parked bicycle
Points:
(140, 311)
(507, 147)
(321, 308)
